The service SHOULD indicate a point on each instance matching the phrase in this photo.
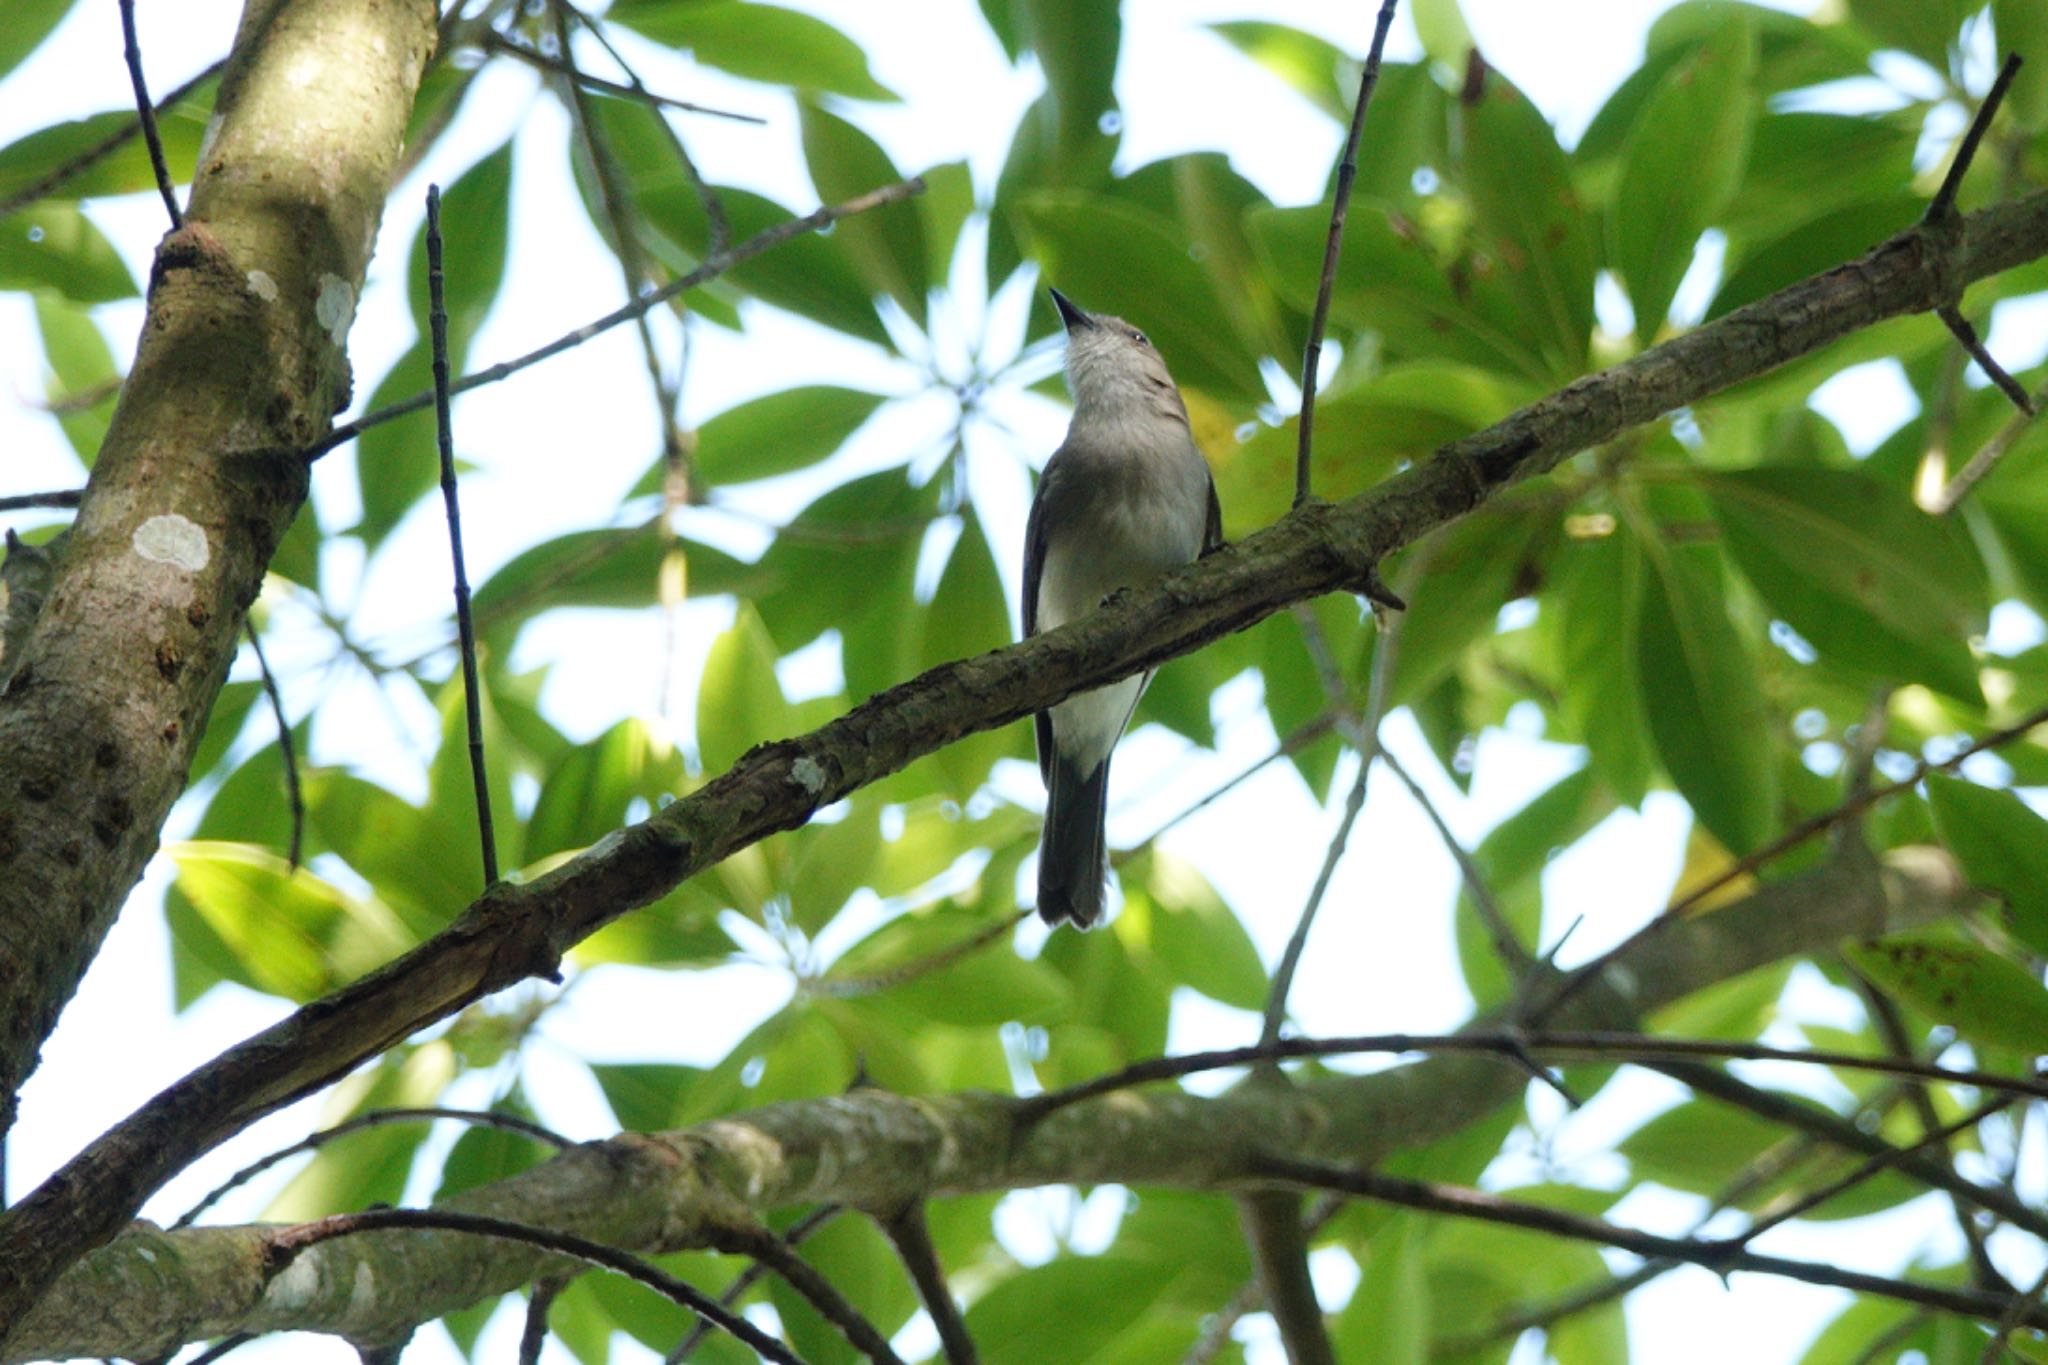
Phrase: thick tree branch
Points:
(518, 931)
(240, 365)
(150, 1289)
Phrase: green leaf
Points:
(946, 203)
(1387, 1320)
(1461, 577)
(1859, 571)
(739, 700)
(84, 383)
(1707, 715)
(1362, 434)
(1814, 246)
(854, 1258)
(291, 933)
(886, 244)
(611, 567)
(2003, 847)
(646, 1097)
(1511, 861)
(1984, 997)
(810, 274)
(1530, 221)
(1194, 935)
(2023, 27)
(1925, 28)
(28, 23)
(1441, 26)
(56, 247)
(1701, 1145)
(1681, 166)
(1115, 257)
(1076, 43)
(125, 170)
(1391, 282)
(587, 795)
(968, 615)
(370, 1166)
(1315, 67)
(1099, 1297)
(475, 225)
(484, 1155)
(1591, 604)
(758, 42)
(774, 434)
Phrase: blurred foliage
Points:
(1708, 606)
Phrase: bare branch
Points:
(714, 265)
(1333, 246)
(145, 114)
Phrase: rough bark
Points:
(514, 932)
(240, 366)
(151, 1291)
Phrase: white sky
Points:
(549, 462)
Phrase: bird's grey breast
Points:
(1126, 506)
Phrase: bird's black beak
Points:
(1072, 316)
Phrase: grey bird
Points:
(1124, 499)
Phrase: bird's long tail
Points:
(1073, 855)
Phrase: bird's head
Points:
(1110, 363)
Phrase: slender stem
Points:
(293, 795)
(1333, 245)
(444, 433)
(287, 1243)
(498, 42)
(1944, 201)
(748, 1278)
(91, 156)
(911, 1235)
(63, 497)
(145, 113)
(1721, 1257)
(714, 265)
(506, 1123)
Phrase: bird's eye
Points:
(1139, 337)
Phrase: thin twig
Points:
(1813, 826)
(287, 1243)
(1873, 1165)
(912, 1237)
(714, 265)
(1941, 213)
(1943, 204)
(772, 1251)
(846, 988)
(1513, 953)
(1845, 1134)
(91, 156)
(221, 1348)
(293, 796)
(1304, 735)
(1290, 959)
(145, 113)
(1987, 457)
(1333, 245)
(1891, 1027)
(707, 197)
(508, 1123)
(1883, 1345)
(2015, 1310)
(1965, 333)
(534, 1334)
(1642, 1049)
(1720, 1257)
(444, 433)
(640, 94)
(746, 1279)
(63, 497)
(1364, 735)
